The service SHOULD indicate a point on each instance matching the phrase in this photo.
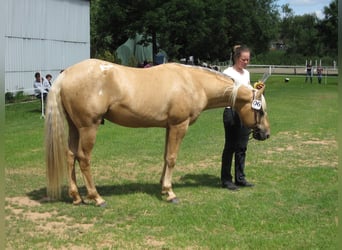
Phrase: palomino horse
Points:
(170, 96)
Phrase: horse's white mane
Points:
(204, 68)
(234, 90)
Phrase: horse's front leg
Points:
(86, 144)
(174, 137)
(165, 154)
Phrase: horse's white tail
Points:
(55, 141)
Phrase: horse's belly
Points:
(135, 120)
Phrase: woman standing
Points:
(236, 135)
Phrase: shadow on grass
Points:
(152, 189)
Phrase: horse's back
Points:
(93, 72)
(101, 79)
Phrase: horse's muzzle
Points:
(260, 135)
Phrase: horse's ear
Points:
(260, 92)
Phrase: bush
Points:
(19, 96)
(132, 62)
(9, 97)
(108, 56)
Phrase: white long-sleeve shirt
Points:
(41, 87)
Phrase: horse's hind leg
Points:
(72, 151)
(87, 138)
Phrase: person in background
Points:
(308, 72)
(319, 74)
(41, 86)
(236, 135)
(48, 77)
(146, 64)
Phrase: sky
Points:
(301, 7)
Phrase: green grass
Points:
(292, 206)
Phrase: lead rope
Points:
(42, 116)
(255, 119)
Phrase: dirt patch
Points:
(22, 201)
(321, 142)
(280, 149)
(151, 241)
(60, 227)
(303, 149)
(24, 209)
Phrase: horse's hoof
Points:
(78, 203)
(103, 204)
(174, 201)
(46, 199)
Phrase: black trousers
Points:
(236, 140)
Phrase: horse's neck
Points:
(244, 95)
(218, 92)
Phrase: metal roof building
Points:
(43, 36)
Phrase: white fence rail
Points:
(290, 69)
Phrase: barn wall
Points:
(44, 36)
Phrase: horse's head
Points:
(251, 106)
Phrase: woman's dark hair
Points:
(237, 50)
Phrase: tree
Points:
(307, 35)
(184, 28)
(108, 26)
(304, 35)
(327, 29)
(204, 29)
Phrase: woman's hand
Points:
(258, 85)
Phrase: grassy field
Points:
(292, 206)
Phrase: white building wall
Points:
(44, 36)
